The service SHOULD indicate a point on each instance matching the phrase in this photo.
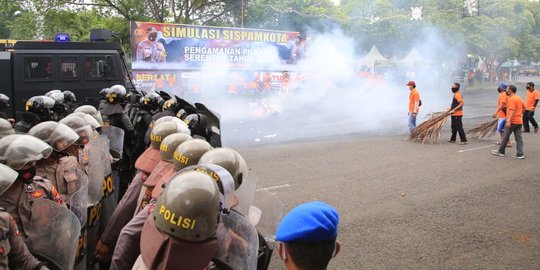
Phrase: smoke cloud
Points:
(328, 94)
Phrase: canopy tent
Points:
(372, 57)
(511, 63)
(413, 58)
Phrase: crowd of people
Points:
(514, 115)
(148, 184)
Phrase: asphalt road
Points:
(405, 205)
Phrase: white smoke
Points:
(327, 97)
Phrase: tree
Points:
(298, 15)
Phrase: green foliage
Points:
(504, 29)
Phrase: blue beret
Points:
(309, 222)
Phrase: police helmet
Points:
(92, 111)
(79, 125)
(152, 101)
(116, 93)
(230, 160)
(103, 93)
(23, 149)
(7, 177)
(169, 145)
(57, 135)
(40, 105)
(159, 132)
(94, 124)
(189, 207)
(183, 128)
(5, 142)
(56, 95)
(5, 128)
(69, 96)
(222, 177)
(189, 153)
(169, 105)
(4, 101)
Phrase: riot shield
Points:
(99, 162)
(53, 234)
(79, 199)
(78, 204)
(116, 141)
(213, 124)
(238, 242)
(265, 214)
(246, 193)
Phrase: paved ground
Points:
(410, 206)
(405, 205)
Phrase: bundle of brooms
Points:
(430, 130)
(484, 130)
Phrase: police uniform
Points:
(13, 251)
(181, 231)
(145, 164)
(62, 172)
(150, 51)
(18, 199)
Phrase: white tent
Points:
(372, 57)
(413, 58)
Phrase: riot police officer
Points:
(113, 112)
(102, 100)
(70, 101)
(114, 115)
(145, 165)
(13, 251)
(21, 152)
(59, 109)
(148, 106)
(4, 106)
(61, 167)
(132, 103)
(181, 230)
(164, 169)
(37, 110)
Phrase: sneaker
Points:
(450, 141)
(535, 129)
(463, 143)
(496, 153)
(518, 157)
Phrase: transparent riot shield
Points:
(116, 141)
(238, 242)
(78, 204)
(246, 193)
(99, 162)
(79, 199)
(265, 214)
(53, 234)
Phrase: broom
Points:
(430, 130)
(484, 130)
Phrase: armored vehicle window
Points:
(69, 67)
(99, 68)
(38, 68)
